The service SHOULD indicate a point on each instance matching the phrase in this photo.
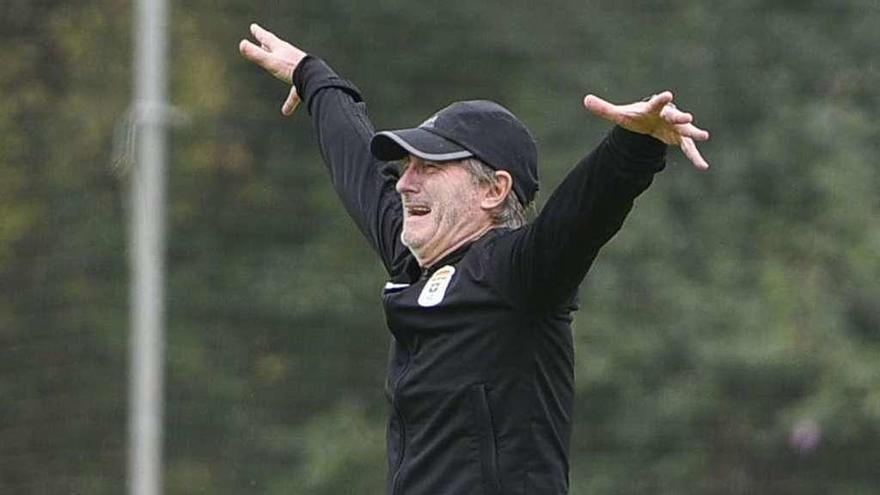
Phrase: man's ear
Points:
(495, 194)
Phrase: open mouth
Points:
(417, 210)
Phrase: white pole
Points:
(147, 249)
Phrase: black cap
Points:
(478, 128)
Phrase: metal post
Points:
(147, 249)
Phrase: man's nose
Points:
(408, 181)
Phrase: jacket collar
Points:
(458, 254)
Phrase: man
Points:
(480, 378)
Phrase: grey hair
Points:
(511, 213)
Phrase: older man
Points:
(478, 302)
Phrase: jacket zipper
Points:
(395, 479)
(488, 450)
(399, 461)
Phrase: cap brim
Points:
(395, 145)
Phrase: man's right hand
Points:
(277, 57)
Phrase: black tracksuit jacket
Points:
(480, 377)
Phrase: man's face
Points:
(441, 207)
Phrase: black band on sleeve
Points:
(639, 153)
(313, 74)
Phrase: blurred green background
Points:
(729, 339)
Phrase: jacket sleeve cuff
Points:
(313, 75)
(637, 153)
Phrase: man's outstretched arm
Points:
(343, 130)
(553, 254)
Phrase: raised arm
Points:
(343, 130)
(553, 254)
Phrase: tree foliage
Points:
(729, 336)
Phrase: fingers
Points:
(678, 126)
(662, 104)
(291, 103)
(689, 148)
(658, 101)
(253, 53)
(601, 108)
(658, 104)
(279, 67)
(266, 38)
(692, 131)
(684, 127)
(674, 116)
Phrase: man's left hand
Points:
(657, 117)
